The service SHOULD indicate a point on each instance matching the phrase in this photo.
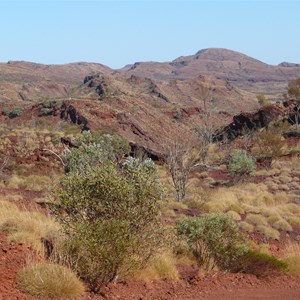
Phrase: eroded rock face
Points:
(69, 112)
(246, 122)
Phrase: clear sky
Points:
(117, 33)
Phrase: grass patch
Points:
(26, 227)
(282, 225)
(268, 232)
(161, 267)
(260, 264)
(44, 281)
(292, 254)
(234, 215)
(246, 226)
(256, 219)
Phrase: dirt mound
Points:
(13, 257)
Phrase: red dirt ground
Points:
(192, 286)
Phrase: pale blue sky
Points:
(117, 33)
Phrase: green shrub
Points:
(214, 240)
(46, 281)
(13, 113)
(259, 264)
(94, 149)
(240, 164)
(111, 217)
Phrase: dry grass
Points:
(282, 225)
(234, 215)
(49, 281)
(27, 227)
(246, 226)
(292, 255)
(161, 267)
(268, 232)
(256, 219)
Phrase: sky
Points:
(117, 33)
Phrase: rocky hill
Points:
(20, 80)
(143, 102)
(234, 67)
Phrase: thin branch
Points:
(61, 160)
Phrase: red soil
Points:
(191, 286)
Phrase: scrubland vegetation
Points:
(109, 216)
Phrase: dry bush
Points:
(256, 219)
(161, 267)
(48, 281)
(294, 220)
(15, 182)
(284, 178)
(12, 197)
(282, 225)
(37, 182)
(281, 198)
(234, 215)
(292, 255)
(268, 232)
(222, 200)
(246, 226)
(273, 218)
(264, 198)
(26, 226)
(271, 185)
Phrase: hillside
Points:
(20, 80)
(234, 67)
(140, 109)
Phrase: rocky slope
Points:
(234, 67)
(21, 80)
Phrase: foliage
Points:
(13, 113)
(111, 217)
(270, 142)
(263, 101)
(240, 163)
(259, 264)
(294, 93)
(294, 88)
(214, 240)
(94, 149)
(45, 281)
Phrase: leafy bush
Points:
(214, 240)
(13, 113)
(259, 264)
(240, 163)
(111, 217)
(44, 280)
(94, 149)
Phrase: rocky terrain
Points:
(43, 108)
(236, 68)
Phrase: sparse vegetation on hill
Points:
(119, 218)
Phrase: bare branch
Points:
(55, 154)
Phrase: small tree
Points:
(214, 240)
(270, 143)
(294, 94)
(240, 164)
(111, 218)
(206, 129)
(182, 155)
